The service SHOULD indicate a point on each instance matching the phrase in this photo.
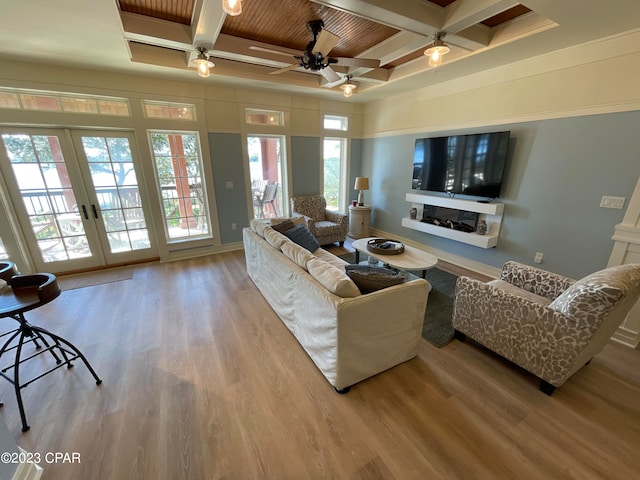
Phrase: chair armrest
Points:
(337, 217)
(541, 282)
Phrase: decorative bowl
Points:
(385, 246)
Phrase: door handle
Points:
(95, 210)
(84, 211)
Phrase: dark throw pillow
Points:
(369, 279)
(302, 236)
(283, 226)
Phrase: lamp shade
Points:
(362, 183)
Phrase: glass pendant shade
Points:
(436, 50)
(232, 7)
(202, 63)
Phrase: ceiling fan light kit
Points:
(232, 7)
(348, 87)
(202, 62)
(437, 49)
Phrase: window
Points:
(23, 99)
(180, 175)
(264, 117)
(334, 150)
(335, 122)
(173, 111)
(3, 251)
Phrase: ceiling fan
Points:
(316, 56)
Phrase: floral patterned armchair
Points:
(546, 323)
(326, 225)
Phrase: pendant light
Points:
(348, 87)
(437, 49)
(232, 7)
(202, 62)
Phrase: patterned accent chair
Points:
(547, 324)
(326, 225)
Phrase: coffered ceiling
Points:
(159, 37)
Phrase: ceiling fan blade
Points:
(268, 50)
(358, 62)
(285, 69)
(330, 75)
(325, 42)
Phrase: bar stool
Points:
(27, 293)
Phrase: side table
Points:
(359, 221)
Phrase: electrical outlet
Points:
(234, 226)
(612, 202)
(538, 258)
(228, 185)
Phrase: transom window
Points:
(23, 99)
(168, 110)
(264, 117)
(336, 122)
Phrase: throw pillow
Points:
(369, 279)
(590, 298)
(283, 226)
(302, 236)
(332, 278)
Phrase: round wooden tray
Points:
(385, 246)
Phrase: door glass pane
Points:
(45, 188)
(265, 168)
(114, 179)
(179, 172)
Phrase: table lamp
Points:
(362, 183)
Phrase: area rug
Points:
(436, 328)
(89, 279)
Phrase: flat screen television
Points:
(461, 164)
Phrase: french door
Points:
(77, 197)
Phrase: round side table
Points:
(359, 217)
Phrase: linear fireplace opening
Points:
(450, 218)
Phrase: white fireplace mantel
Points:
(627, 250)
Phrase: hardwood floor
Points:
(203, 381)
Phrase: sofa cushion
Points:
(258, 226)
(332, 278)
(302, 236)
(590, 298)
(297, 254)
(275, 239)
(369, 279)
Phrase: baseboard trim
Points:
(201, 252)
(626, 337)
(27, 471)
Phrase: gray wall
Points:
(557, 173)
(305, 165)
(227, 164)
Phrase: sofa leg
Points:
(546, 388)
(341, 244)
(343, 390)
(459, 336)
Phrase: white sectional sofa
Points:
(348, 335)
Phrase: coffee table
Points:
(410, 259)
